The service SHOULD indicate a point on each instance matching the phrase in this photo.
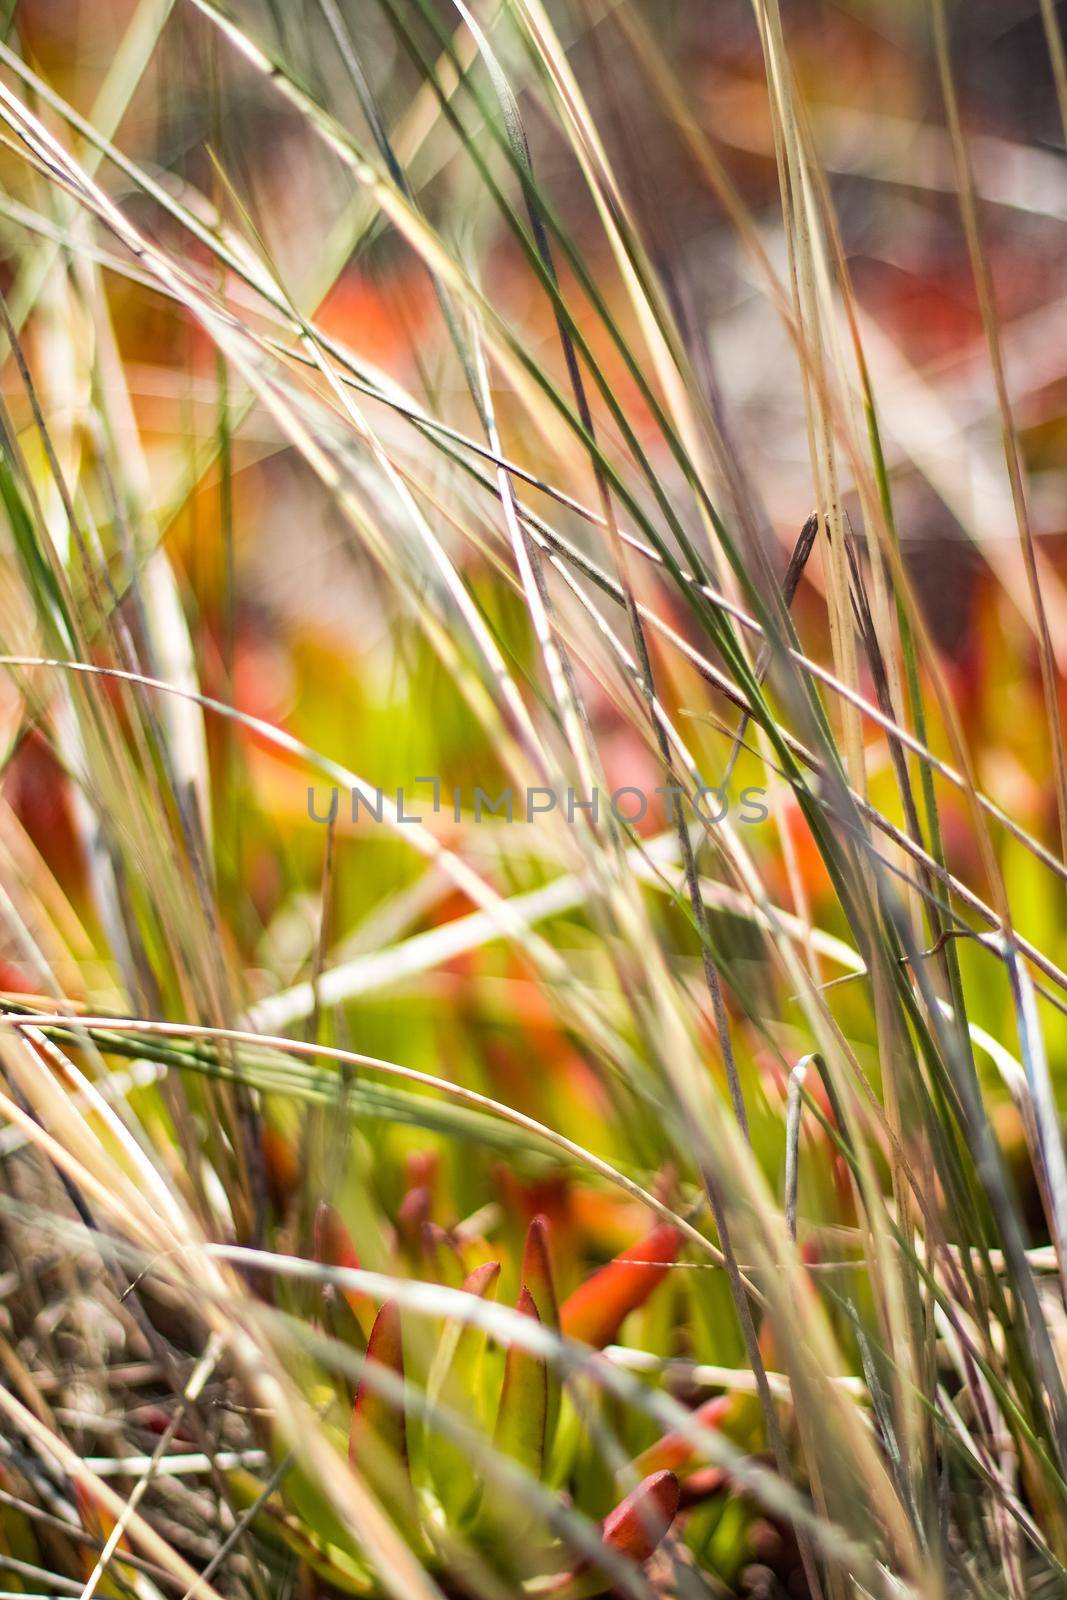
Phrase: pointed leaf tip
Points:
(537, 1273)
(538, 1277)
(520, 1424)
(333, 1242)
(639, 1522)
(377, 1439)
(482, 1279)
(519, 1434)
(526, 1305)
(386, 1344)
(373, 1409)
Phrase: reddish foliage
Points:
(639, 1522)
(595, 1311)
(376, 1420)
(674, 1450)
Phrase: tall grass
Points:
(400, 1199)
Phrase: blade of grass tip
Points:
(929, 867)
(219, 330)
(515, 132)
(794, 1106)
(653, 315)
(804, 248)
(376, 123)
(518, 359)
(879, 672)
(946, 705)
(878, 514)
(984, 291)
(650, 59)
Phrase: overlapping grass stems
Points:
(919, 1485)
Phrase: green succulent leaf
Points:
(454, 1384)
(519, 1434)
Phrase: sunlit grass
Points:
(401, 1197)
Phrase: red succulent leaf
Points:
(704, 1484)
(675, 1450)
(333, 1242)
(596, 1310)
(481, 1279)
(374, 1410)
(413, 1212)
(639, 1522)
(281, 1161)
(537, 1271)
(539, 1279)
(377, 1439)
